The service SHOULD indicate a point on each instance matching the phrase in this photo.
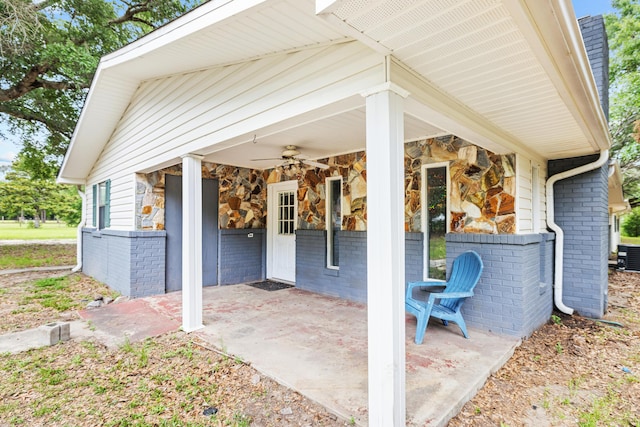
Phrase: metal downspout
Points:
(78, 266)
(559, 244)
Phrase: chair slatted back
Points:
(465, 274)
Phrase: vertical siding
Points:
(524, 195)
(180, 114)
(524, 203)
(542, 197)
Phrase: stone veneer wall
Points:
(481, 200)
(242, 192)
(514, 293)
(482, 188)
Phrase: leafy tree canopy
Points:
(623, 29)
(49, 51)
(631, 223)
(22, 196)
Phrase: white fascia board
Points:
(553, 35)
(198, 19)
(85, 148)
(69, 181)
(63, 174)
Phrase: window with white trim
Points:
(102, 205)
(435, 208)
(334, 220)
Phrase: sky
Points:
(8, 149)
(591, 7)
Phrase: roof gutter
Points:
(83, 219)
(559, 245)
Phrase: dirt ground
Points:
(573, 371)
(24, 306)
(172, 380)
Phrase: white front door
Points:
(282, 216)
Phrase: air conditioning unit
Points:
(629, 257)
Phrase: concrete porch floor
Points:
(317, 345)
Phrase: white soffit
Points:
(215, 34)
(477, 53)
(487, 56)
(213, 37)
(331, 131)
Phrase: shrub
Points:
(631, 223)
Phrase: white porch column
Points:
(385, 255)
(191, 242)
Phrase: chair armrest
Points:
(423, 284)
(450, 295)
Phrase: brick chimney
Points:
(597, 46)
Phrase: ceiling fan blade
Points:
(271, 158)
(315, 164)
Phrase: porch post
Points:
(191, 242)
(385, 255)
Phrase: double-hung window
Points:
(435, 218)
(334, 220)
(101, 205)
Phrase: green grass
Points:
(52, 293)
(12, 230)
(25, 256)
(630, 240)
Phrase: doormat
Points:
(269, 285)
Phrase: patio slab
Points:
(317, 345)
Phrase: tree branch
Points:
(33, 117)
(131, 12)
(25, 85)
(32, 81)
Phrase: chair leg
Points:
(421, 328)
(462, 325)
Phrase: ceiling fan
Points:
(291, 156)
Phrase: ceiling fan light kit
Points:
(289, 158)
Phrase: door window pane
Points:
(286, 212)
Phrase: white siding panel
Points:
(523, 195)
(89, 205)
(525, 201)
(210, 118)
(542, 194)
(195, 112)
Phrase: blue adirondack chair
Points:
(446, 305)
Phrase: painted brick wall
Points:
(130, 262)
(514, 294)
(581, 211)
(240, 257)
(148, 256)
(350, 281)
(595, 42)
